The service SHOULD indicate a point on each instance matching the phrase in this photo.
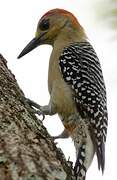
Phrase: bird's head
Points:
(50, 27)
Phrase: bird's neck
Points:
(68, 36)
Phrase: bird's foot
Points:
(33, 107)
(63, 135)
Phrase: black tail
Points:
(101, 156)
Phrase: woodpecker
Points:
(76, 86)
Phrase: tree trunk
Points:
(27, 151)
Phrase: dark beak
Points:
(30, 46)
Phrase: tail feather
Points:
(101, 157)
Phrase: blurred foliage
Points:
(106, 11)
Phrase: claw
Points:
(40, 113)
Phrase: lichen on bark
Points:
(27, 151)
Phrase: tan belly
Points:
(62, 98)
(61, 93)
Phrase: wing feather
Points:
(81, 69)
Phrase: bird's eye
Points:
(44, 24)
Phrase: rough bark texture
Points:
(27, 152)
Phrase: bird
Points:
(76, 86)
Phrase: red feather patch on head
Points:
(63, 12)
(67, 13)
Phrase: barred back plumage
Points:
(76, 87)
(81, 69)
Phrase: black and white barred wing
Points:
(81, 69)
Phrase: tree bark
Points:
(27, 151)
